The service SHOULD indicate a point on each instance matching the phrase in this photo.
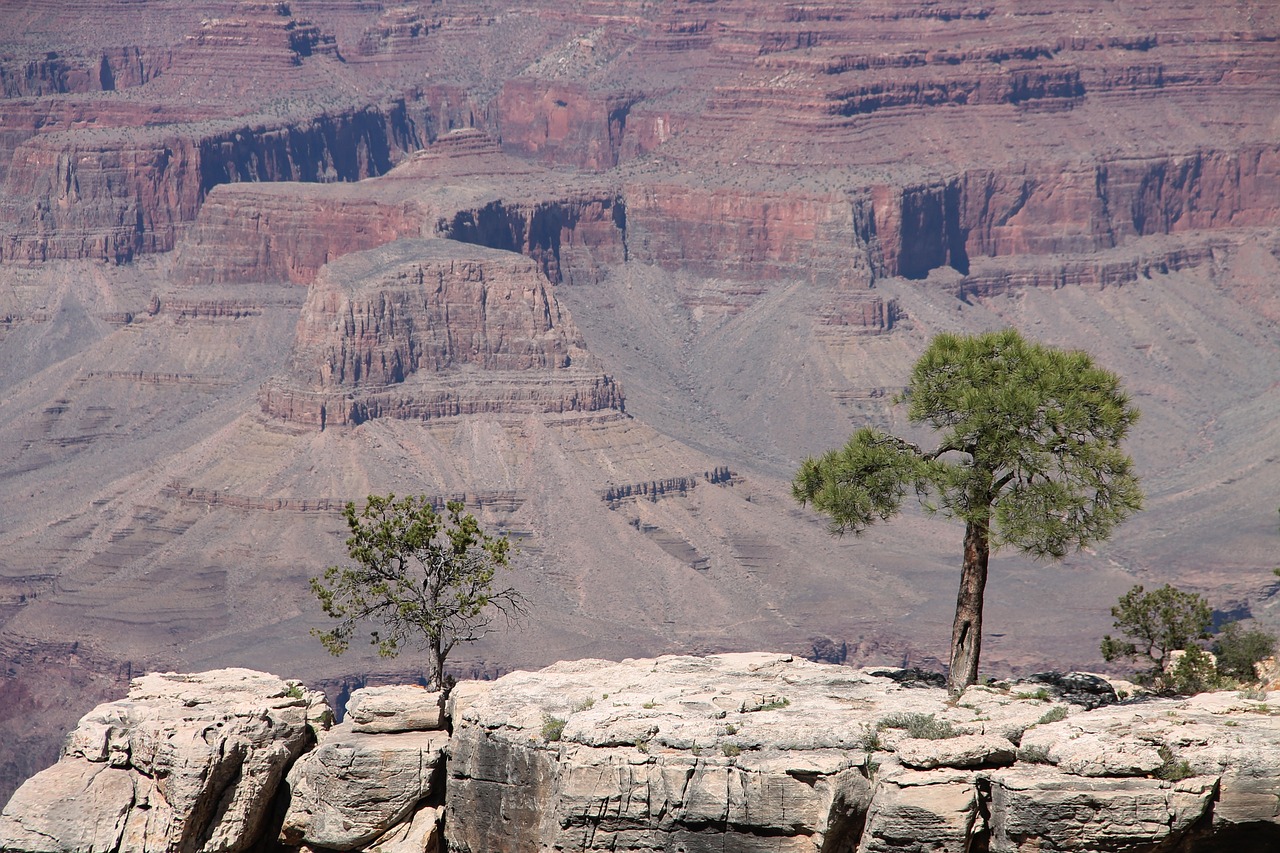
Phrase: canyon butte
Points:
(608, 271)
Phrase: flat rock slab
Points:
(395, 708)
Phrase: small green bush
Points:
(1172, 770)
(920, 726)
(775, 704)
(552, 728)
(870, 739)
(1193, 673)
(1040, 695)
(1053, 715)
(731, 750)
(730, 729)
(1238, 650)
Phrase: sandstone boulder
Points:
(185, 763)
(962, 751)
(356, 786)
(394, 708)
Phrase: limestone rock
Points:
(914, 812)
(1034, 808)
(185, 763)
(963, 751)
(355, 786)
(420, 834)
(763, 752)
(394, 708)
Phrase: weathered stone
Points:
(356, 786)
(1035, 808)
(962, 751)
(1078, 688)
(914, 812)
(420, 834)
(185, 763)
(396, 708)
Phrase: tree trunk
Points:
(966, 633)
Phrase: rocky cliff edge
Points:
(744, 752)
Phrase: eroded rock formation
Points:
(750, 752)
(429, 329)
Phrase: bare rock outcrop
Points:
(762, 752)
(744, 752)
(356, 786)
(185, 763)
(422, 329)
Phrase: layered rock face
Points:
(762, 752)
(108, 177)
(743, 752)
(428, 329)
(186, 763)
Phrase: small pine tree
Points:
(1157, 623)
(426, 578)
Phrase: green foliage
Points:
(1040, 430)
(585, 705)
(920, 726)
(1239, 649)
(1028, 455)
(1053, 715)
(776, 704)
(1040, 695)
(552, 728)
(870, 740)
(1157, 623)
(730, 729)
(424, 578)
(731, 750)
(295, 691)
(1194, 672)
(1172, 770)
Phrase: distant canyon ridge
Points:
(607, 271)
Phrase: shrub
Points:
(1195, 672)
(552, 728)
(1034, 755)
(1172, 770)
(1157, 623)
(920, 726)
(1238, 650)
(731, 750)
(1053, 715)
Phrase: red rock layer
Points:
(428, 329)
(109, 196)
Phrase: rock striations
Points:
(743, 752)
(432, 328)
